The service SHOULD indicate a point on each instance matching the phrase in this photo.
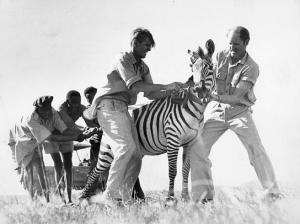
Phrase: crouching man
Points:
(26, 140)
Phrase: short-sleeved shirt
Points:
(229, 75)
(227, 78)
(68, 117)
(122, 74)
(31, 131)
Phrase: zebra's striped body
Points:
(164, 126)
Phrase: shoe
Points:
(71, 204)
(206, 200)
(113, 202)
(139, 201)
(272, 197)
(107, 201)
(126, 204)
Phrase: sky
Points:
(51, 47)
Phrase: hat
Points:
(43, 101)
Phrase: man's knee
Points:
(58, 167)
(256, 152)
(57, 161)
(131, 151)
(136, 157)
(68, 167)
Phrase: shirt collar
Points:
(244, 58)
(38, 118)
(241, 61)
(133, 60)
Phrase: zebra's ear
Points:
(210, 47)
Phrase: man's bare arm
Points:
(67, 135)
(149, 87)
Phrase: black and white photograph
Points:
(151, 112)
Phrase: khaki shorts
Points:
(55, 147)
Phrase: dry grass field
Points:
(242, 204)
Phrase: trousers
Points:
(239, 120)
(121, 134)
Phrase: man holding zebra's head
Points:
(127, 76)
(236, 74)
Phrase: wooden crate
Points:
(79, 177)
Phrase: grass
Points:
(243, 204)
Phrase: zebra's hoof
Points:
(185, 197)
(170, 201)
(84, 197)
(82, 202)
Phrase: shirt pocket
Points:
(119, 106)
(221, 73)
(236, 79)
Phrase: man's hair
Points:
(244, 33)
(140, 34)
(72, 93)
(89, 90)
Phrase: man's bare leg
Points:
(68, 166)
(58, 175)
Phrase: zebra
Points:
(167, 124)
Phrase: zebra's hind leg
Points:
(91, 179)
(105, 159)
(185, 175)
(138, 192)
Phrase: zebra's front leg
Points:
(172, 158)
(185, 174)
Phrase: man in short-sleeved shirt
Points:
(29, 135)
(69, 111)
(95, 140)
(236, 74)
(33, 128)
(124, 71)
(127, 76)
